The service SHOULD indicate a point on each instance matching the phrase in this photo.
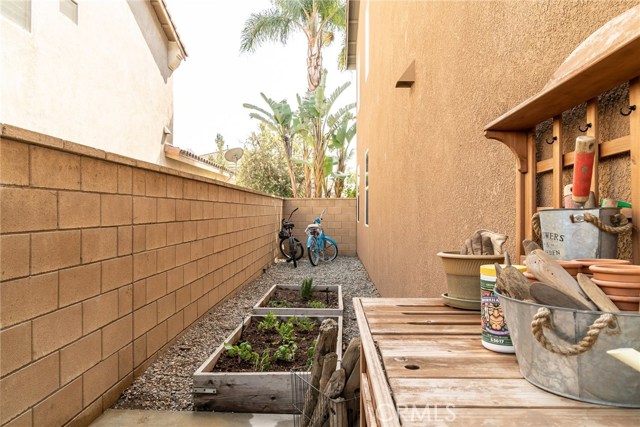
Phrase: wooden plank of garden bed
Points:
(426, 319)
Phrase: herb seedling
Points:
(306, 288)
(310, 353)
(243, 352)
(286, 331)
(305, 324)
(279, 303)
(317, 304)
(269, 322)
(264, 361)
(286, 352)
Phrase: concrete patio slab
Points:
(131, 417)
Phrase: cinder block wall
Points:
(104, 261)
(339, 221)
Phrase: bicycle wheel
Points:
(314, 251)
(330, 251)
(299, 249)
(292, 251)
(284, 248)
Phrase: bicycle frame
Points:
(322, 238)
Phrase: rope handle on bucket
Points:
(542, 319)
(623, 224)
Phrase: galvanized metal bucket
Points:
(592, 376)
(565, 240)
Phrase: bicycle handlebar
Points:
(290, 215)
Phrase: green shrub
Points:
(307, 288)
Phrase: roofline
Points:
(167, 24)
(188, 157)
(352, 12)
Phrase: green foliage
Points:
(305, 324)
(286, 330)
(219, 154)
(264, 361)
(310, 352)
(286, 352)
(317, 304)
(243, 352)
(306, 288)
(264, 167)
(269, 322)
(278, 303)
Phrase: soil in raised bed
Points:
(261, 340)
(295, 300)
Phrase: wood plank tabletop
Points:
(425, 365)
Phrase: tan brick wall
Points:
(104, 261)
(339, 220)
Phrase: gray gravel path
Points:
(167, 383)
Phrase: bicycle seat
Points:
(287, 225)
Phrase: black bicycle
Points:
(289, 244)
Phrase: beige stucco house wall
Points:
(105, 78)
(433, 178)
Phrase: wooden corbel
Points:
(517, 143)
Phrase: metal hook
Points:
(631, 109)
(553, 139)
(586, 128)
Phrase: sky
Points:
(216, 79)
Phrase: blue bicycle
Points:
(319, 246)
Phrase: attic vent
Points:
(408, 77)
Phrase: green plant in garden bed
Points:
(269, 322)
(286, 330)
(305, 323)
(279, 304)
(317, 304)
(307, 288)
(243, 352)
(286, 352)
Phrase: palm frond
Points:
(268, 123)
(266, 26)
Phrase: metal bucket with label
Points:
(566, 240)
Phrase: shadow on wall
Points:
(152, 32)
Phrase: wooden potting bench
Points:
(423, 364)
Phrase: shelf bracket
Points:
(517, 143)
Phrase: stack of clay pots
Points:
(621, 282)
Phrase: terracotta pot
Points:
(616, 273)
(463, 273)
(588, 262)
(626, 303)
(618, 288)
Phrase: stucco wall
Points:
(104, 260)
(433, 177)
(104, 81)
(338, 222)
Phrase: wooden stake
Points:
(351, 355)
(331, 391)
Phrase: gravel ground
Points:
(167, 383)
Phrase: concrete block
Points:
(54, 169)
(125, 361)
(77, 209)
(139, 238)
(125, 300)
(60, 407)
(175, 232)
(99, 311)
(88, 414)
(156, 236)
(144, 210)
(24, 299)
(139, 351)
(125, 240)
(144, 319)
(175, 279)
(14, 255)
(99, 175)
(144, 265)
(15, 348)
(183, 210)
(125, 179)
(183, 253)
(99, 244)
(139, 294)
(174, 187)
(189, 231)
(117, 272)
(29, 385)
(80, 356)
(139, 182)
(116, 335)
(24, 420)
(166, 210)
(156, 338)
(25, 209)
(156, 287)
(14, 163)
(174, 325)
(156, 184)
(190, 189)
(79, 283)
(116, 210)
(166, 306)
(183, 297)
(55, 330)
(190, 314)
(99, 379)
(166, 258)
(47, 253)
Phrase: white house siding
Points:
(103, 82)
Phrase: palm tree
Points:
(314, 111)
(317, 19)
(340, 142)
(281, 121)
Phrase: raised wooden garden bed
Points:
(329, 295)
(257, 392)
